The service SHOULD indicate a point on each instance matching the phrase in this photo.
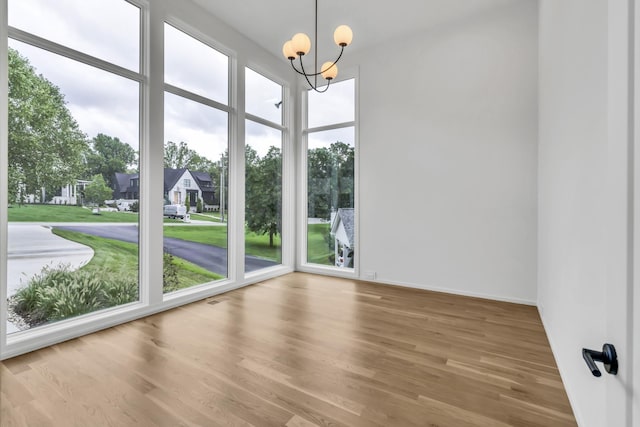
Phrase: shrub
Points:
(59, 293)
(170, 280)
(134, 207)
(199, 206)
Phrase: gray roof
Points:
(171, 177)
(122, 182)
(345, 215)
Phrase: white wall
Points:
(448, 133)
(572, 177)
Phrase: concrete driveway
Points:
(33, 247)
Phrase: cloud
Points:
(194, 66)
(203, 128)
(261, 137)
(326, 138)
(263, 97)
(337, 105)
(106, 29)
(101, 102)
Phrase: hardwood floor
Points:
(299, 350)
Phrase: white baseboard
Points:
(453, 291)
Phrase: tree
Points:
(109, 155)
(330, 181)
(46, 145)
(177, 156)
(319, 173)
(263, 198)
(97, 191)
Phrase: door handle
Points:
(607, 356)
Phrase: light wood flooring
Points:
(299, 350)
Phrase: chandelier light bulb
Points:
(343, 35)
(301, 44)
(329, 70)
(288, 51)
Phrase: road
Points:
(209, 257)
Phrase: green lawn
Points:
(64, 213)
(257, 245)
(116, 256)
(204, 217)
(318, 249)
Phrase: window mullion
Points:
(73, 54)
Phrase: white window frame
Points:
(152, 89)
(287, 238)
(194, 292)
(302, 206)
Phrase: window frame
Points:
(153, 15)
(23, 341)
(231, 110)
(302, 207)
(287, 238)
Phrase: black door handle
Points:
(607, 356)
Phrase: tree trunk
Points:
(270, 239)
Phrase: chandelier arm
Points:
(306, 76)
(303, 73)
(325, 88)
(294, 67)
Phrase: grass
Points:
(70, 213)
(65, 213)
(109, 279)
(204, 217)
(318, 249)
(256, 245)
(116, 256)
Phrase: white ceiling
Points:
(271, 23)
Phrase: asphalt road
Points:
(212, 258)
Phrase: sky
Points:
(103, 102)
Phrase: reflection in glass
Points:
(263, 196)
(106, 29)
(330, 198)
(195, 193)
(194, 66)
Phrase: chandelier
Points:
(300, 45)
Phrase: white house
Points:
(342, 230)
(181, 187)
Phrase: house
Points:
(181, 186)
(70, 194)
(343, 232)
(126, 186)
(497, 157)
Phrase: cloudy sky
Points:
(102, 102)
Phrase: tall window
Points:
(330, 176)
(263, 172)
(196, 129)
(73, 135)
